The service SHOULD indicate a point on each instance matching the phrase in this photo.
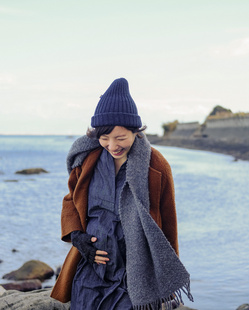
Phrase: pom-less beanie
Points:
(116, 107)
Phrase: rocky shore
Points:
(25, 292)
(38, 299)
(28, 277)
(41, 300)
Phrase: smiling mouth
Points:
(118, 153)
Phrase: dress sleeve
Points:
(70, 219)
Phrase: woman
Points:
(120, 216)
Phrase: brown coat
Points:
(74, 211)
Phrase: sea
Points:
(212, 199)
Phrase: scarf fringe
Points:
(171, 302)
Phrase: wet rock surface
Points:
(23, 286)
(32, 269)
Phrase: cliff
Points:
(223, 132)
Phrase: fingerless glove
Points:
(83, 243)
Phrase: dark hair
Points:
(97, 132)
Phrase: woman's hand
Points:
(83, 243)
(100, 257)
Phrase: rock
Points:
(2, 290)
(31, 171)
(1, 261)
(23, 286)
(243, 307)
(11, 181)
(32, 269)
(38, 300)
(14, 250)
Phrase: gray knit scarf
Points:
(155, 275)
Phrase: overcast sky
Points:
(181, 58)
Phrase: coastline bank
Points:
(235, 149)
(228, 135)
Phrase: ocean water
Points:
(212, 198)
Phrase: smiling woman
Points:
(116, 140)
(118, 143)
(120, 216)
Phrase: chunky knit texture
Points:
(116, 107)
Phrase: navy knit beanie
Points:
(116, 107)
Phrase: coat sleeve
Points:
(70, 219)
(163, 197)
(168, 208)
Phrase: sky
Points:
(180, 57)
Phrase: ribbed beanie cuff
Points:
(116, 107)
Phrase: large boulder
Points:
(38, 300)
(33, 269)
(243, 307)
(32, 171)
(2, 290)
(23, 286)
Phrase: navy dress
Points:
(103, 287)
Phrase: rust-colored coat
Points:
(74, 211)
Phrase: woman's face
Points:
(118, 143)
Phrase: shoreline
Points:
(239, 150)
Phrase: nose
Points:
(112, 146)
